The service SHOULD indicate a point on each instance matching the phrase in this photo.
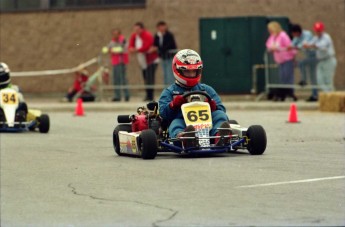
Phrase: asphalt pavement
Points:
(72, 177)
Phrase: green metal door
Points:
(229, 49)
(224, 49)
(212, 42)
(238, 57)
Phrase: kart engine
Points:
(144, 119)
(139, 121)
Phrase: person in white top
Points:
(325, 55)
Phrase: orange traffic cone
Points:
(79, 110)
(293, 114)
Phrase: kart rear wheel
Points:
(148, 144)
(257, 140)
(44, 123)
(116, 142)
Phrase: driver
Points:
(5, 82)
(187, 67)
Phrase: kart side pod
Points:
(142, 144)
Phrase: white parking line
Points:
(292, 182)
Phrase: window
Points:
(24, 5)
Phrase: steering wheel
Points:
(203, 93)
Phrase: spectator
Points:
(279, 44)
(119, 60)
(325, 55)
(308, 63)
(164, 42)
(80, 79)
(140, 43)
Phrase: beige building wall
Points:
(63, 39)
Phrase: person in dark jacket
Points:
(164, 43)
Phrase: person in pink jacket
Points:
(280, 45)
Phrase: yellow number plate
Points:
(197, 115)
(9, 98)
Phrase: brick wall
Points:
(48, 40)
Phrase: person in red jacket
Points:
(80, 79)
(140, 43)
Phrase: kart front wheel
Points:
(257, 140)
(44, 123)
(148, 144)
(116, 142)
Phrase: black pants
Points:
(85, 96)
(149, 79)
(279, 94)
(71, 94)
(22, 107)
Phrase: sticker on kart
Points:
(128, 142)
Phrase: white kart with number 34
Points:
(9, 114)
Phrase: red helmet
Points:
(319, 27)
(187, 60)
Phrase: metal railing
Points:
(271, 78)
(105, 63)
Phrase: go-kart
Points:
(14, 119)
(146, 133)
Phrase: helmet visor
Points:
(190, 73)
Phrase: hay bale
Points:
(332, 101)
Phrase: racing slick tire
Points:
(257, 140)
(147, 143)
(233, 122)
(44, 123)
(116, 142)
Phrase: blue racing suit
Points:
(175, 117)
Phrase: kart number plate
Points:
(197, 115)
(9, 98)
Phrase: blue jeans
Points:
(178, 125)
(305, 65)
(286, 72)
(167, 71)
(286, 77)
(325, 73)
(119, 78)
